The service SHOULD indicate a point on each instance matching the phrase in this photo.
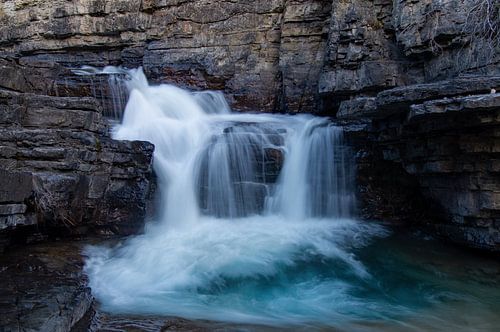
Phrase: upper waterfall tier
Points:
(214, 162)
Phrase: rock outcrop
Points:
(59, 169)
(446, 136)
(278, 55)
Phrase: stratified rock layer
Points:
(60, 170)
(277, 55)
(449, 145)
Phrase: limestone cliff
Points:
(277, 55)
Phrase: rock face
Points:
(43, 288)
(411, 78)
(445, 136)
(281, 55)
(59, 169)
(278, 55)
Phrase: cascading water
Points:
(108, 86)
(229, 216)
(254, 224)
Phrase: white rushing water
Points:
(238, 237)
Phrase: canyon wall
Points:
(414, 81)
(276, 55)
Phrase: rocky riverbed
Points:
(43, 287)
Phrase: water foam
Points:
(229, 244)
(257, 270)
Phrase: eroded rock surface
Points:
(60, 169)
(278, 55)
(43, 288)
(450, 146)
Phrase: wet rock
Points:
(43, 288)
(260, 148)
(272, 163)
(97, 320)
(250, 197)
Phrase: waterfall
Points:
(214, 162)
(317, 178)
(246, 201)
(109, 86)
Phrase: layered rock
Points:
(200, 44)
(362, 54)
(280, 55)
(446, 136)
(449, 37)
(61, 171)
(378, 45)
(304, 31)
(401, 73)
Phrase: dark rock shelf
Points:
(440, 142)
(60, 170)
